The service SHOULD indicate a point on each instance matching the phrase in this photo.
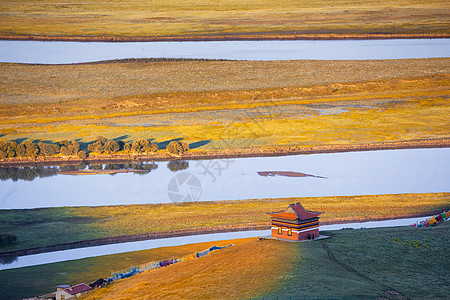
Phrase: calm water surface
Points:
(351, 173)
(77, 52)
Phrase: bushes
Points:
(143, 146)
(7, 239)
(177, 148)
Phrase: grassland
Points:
(389, 263)
(194, 19)
(229, 104)
(52, 226)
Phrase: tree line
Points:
(101, 145)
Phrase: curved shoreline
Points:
(180, 233)
(229, 153)
(231, 37)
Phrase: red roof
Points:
(79, 288)
(295, 211)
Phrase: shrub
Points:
(177, 148)
(7, 239)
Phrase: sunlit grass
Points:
(49, 226)
(199, 17)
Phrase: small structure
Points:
(71, 292)
(295, 223)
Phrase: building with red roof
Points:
(71, 292)
(295, 223)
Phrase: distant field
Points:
(229, 104)
(201, 18)
(51, 226)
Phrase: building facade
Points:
(295, 223)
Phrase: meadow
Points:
(228, 104)
(52, 226)
(225, 19)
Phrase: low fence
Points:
(433, 221)
(125, 273)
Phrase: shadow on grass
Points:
(163, 145)
(199, 144)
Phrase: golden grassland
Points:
(200, 18)
(241, 271)
(132, 219)
(266, 104)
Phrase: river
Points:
(78, 52)
(331, 174)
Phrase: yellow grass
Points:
(398, 100)
(244, 270)
(134, 219)
(131, 18)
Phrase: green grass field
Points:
(51, 226)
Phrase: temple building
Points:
(295, 223)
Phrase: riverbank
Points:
(231, 37)
(51, 229)
(218, 154)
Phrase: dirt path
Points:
(388, 292)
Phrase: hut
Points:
(295, 223)
(71, 292)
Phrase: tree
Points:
(177, 148)
(96, 147)
(111, 147)
(143, 146)
(65, 151)
(21, 150)
(48, 149)
(82, 154)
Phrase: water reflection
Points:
(347, 174)
(31, 173)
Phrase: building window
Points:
(280, 232)
(63, 297)
(290, 232)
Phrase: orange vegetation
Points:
(232, 272)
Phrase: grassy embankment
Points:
(51, 226)
(397, 262)
(229, 104)
(224, 19)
